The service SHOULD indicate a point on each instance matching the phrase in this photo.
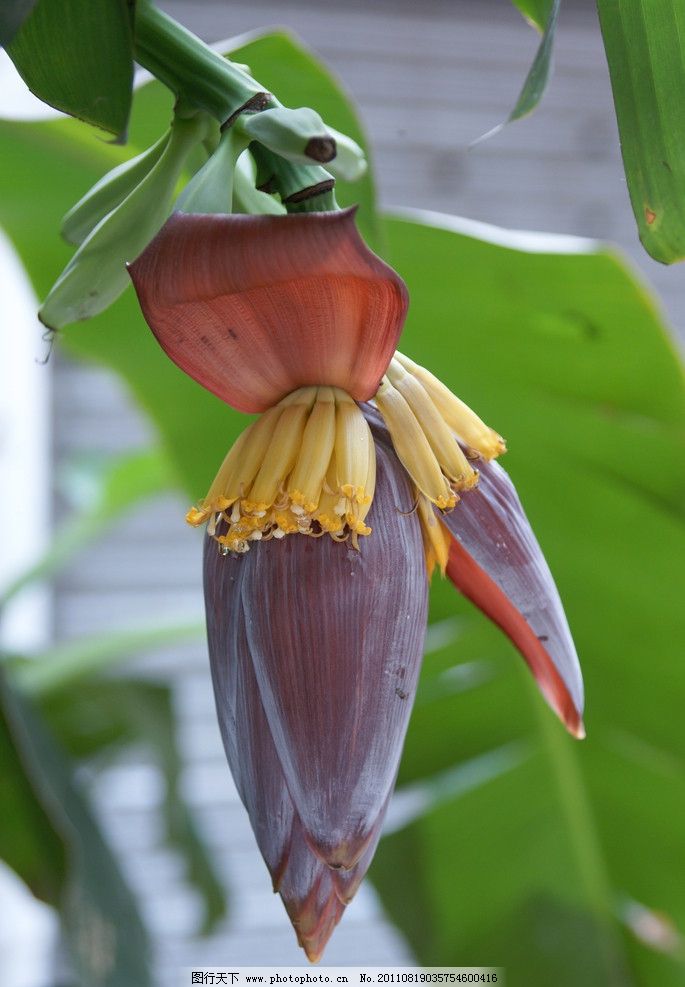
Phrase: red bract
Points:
(497, 563)
(324, 524)
(253, 307)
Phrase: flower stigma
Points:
(306, 466)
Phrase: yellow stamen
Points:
(369, 488)
(436, 538)
(412, 446)
(281, 454)
(196, 516)
(307, 479)
(242, 462)
(306, 466)
(452, 460)
(355, 462)
(465, 423)
(426, 423)
(353, 447)
(326, 516)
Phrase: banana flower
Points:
(324, 523)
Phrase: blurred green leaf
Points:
(68, 664)
(106, 938)
(96, 717)
(536, 12)
(105, 487)
(537, 78)
(102, 717)
(100, 492)
(77, 55)
(30, 843)
(13, 13)
(645, 48)
(539, 73)
(564, 353)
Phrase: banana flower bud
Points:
(323, 526)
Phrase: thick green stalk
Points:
(204, 79)
(322, 202)
(191, 69)
(294, 183)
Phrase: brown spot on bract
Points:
(232, 333)
(650, 215)
(399, 692)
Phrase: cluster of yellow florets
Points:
(306, 466)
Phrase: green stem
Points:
(302, 188)
(204, 79)
(321, 202)
(191, 69)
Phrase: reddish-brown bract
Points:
(496, 562)
(253, 307)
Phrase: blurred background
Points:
(427, 80)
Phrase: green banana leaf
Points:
(541, 864)
(536, 12)
(645, 49)
(77, 55)
(104, 716)
(540, 71)
(12, 15)
(65, 666)
(46, 821)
